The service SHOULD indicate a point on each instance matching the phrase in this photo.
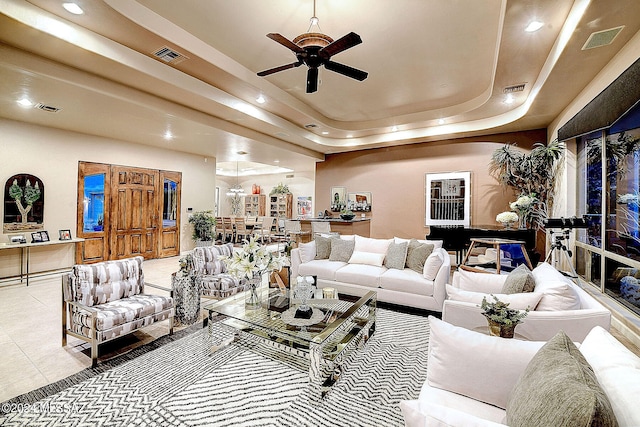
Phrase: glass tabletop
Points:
(334, 321)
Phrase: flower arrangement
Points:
(280, 189)
(507, 217)
(252, 260)
(524, 203)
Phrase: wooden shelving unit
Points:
(254, 205)
(281, 205)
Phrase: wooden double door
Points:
(126, 211)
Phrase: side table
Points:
(515, 247)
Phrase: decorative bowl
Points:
(347, 217)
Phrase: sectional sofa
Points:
(408, 272)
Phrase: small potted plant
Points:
(347, 214)
(502, 319)
(203, 227)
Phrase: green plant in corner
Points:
(280, 189)
(203, 225)
(535, 173)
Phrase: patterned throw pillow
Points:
(323, 247)
(519, 280)
(559, 387)
(417, 254)
(341, 250)
(396, 255)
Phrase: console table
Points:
(25, 253)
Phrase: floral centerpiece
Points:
(502, 319)
(252, 261)
(523, 205)
(507, 218)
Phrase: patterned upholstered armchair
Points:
(212, 271)
(106, 300)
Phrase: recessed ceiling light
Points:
(168, 135)
(394, 129)
(261, 99)
(349, 136)
(509, 99)
(25, 102)
(533, 26)
(276, 161)
(324, 132)
(73, 8)
(441, 121)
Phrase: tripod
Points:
(558, 249)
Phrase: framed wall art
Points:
(359, 202)
(338, 198)
(448, 198)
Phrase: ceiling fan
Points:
(315, 50)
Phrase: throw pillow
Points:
(558, 387)
(368, 244)
(341, 250)
(475, 365)
(437, 244)
(323, 247)
(396, 255)
(557, 289)
(519, 280)
(618, 373)
(517, 301)
(432, 265)
(417, 254)
(479, 282)
(369, 258)
(307, 251)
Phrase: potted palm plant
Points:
(502, 319)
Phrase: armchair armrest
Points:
(162, 288)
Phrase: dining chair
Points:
(293, 230)
(241, 229)
(264, 233)
(228, 228)
(219, 229)
(321, 227)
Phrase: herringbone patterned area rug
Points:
(183, 384)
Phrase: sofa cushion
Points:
(360, 274)
(558, 387)
(618, 373)
(396, 255)
(480, 282)
(432, 265)
(519, 301)
(323, 268)
(307, 251)
(519, 280)
(406, 280)
(426, 414)
(323, 247)
(417, 255)
(341, 250)
(107, 281)
(557, 289)
(123, 311)
(466, 362)
(221, 285)
(367, 258)
(367, 244)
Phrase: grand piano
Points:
(458, 238)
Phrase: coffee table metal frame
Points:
(345, 327)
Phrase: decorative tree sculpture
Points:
(30, 194)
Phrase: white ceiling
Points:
(437, 69)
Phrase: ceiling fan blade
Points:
(280, 68)
(354, 73)
(312, 80)
(337, 46)
(285, 42)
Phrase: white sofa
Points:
(479, 380)
(562, 305)
(358, 275)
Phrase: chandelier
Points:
(236, 190)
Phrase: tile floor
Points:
(31, 354)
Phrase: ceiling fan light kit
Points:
(315, 50)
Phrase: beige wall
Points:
(53, 155)
(396, 178)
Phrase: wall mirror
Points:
(448, 199)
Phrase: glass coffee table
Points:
(336, 328)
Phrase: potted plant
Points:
(347, 214)
(502, 319)
(280, 189)
(203, 227)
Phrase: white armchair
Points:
(565, 307)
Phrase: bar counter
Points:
(359, 226)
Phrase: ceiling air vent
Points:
(289, 176)
(311, 126)
(169, 56)
(47, 108)
(514, 88)
(602, 38)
